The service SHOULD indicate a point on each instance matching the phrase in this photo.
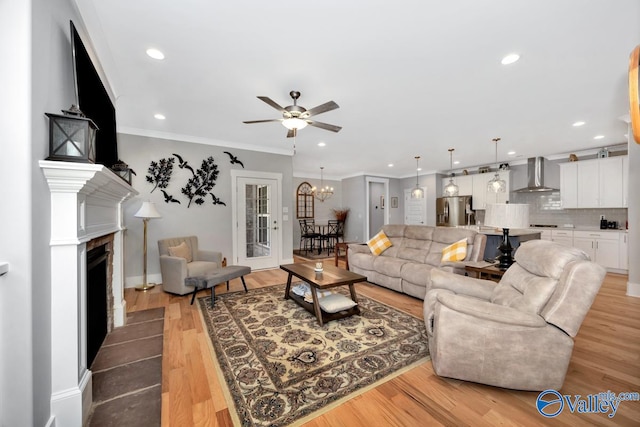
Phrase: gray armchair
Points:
(518, 333)
(175, 269)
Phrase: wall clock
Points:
(634, 96)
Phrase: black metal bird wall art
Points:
(234, 159)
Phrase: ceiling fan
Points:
(295, 117)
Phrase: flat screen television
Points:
(93, 100)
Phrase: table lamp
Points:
(147, 211)
(506, 216)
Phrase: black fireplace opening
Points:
(96, 300)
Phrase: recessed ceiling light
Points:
(510, 59)
(155, 53)
(576, 124)
(159, 116)
(598, 137)
(390, 165)
(511, 153)
(321, 144)
(419, 169)
(457, 162)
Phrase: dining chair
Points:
(335, 232)
(308, 234)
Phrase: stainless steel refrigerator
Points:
(453, 211)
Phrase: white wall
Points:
(633, 287)
(34, 40)
(211, 223)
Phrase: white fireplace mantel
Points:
(86, 203)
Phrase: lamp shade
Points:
(507, 215)
(148, 210)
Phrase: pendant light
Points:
(325, 192)
(451, 189)
(496, 185)
(417, 192)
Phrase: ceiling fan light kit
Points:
(296, 117)
(294, 123)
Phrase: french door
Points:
(258, 233)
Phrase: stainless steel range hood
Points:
(535, 173)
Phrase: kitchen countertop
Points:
(490, 231)
(580, 229)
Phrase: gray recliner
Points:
(175, 269)
(518, 333)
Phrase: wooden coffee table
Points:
(330, 277)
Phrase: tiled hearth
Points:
(86, 206)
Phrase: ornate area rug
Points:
(282, 367)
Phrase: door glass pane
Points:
(258, 220)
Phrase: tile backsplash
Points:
(545, 208)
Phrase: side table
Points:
(485, 270)
(345, 257)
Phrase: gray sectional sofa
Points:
(406, 266)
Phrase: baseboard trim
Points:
(633, 289)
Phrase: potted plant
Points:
(340, 214)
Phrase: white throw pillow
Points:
(336, 302)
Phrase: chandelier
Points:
(324, 192)
(451, 189)
(417, 192)
(496, 185)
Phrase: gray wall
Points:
(211, 223)
(353, 197)
(37, 76)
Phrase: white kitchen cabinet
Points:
(610, 182)
(545, 235)
(569, 185)
(602, 247)
(564, 237)
(588, 184)
(624, 250)
(482, 197)
(596, 183)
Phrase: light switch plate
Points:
(285, 209)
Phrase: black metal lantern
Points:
(72, 136)
(122, 170)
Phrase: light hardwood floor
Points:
(606, 356)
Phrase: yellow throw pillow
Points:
(379, 243)
(455, 252)
(182, 251)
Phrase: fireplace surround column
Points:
(86, 203)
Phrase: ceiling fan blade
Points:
(292, 132)
(325, 126)
(327, 106)
(272, 103)
(262, 121)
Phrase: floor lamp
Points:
(146, 212)
(506, 216)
